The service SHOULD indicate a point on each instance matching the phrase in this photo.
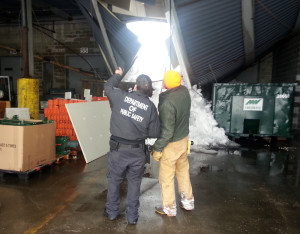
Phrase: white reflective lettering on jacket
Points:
(136, 103)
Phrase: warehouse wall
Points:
(286, 69)
(265, 69)
(261, 72)
(67, 39)
(249, 75)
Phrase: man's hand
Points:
(156, 155)
(119, 71)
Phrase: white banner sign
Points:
(253, 104)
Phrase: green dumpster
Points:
(254, 109)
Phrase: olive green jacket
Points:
(174, 114)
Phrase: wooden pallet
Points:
(72, 154)
(24, 175)
(60, 158)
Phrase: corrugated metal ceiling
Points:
(123, 42)
(212, 34)
(212, 30)
(43, 10)
(212, 37)
(273, 21)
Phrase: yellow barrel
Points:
(28, 95)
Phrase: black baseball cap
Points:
(144, 84)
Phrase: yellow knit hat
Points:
(172, 79)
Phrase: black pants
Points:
(123, 162)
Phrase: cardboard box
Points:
(23, 148)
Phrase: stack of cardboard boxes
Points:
(23, 148)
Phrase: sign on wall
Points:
(253, 104)
(84, 50)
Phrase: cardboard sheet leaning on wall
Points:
(91, 124)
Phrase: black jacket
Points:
(134, 117)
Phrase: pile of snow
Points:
(204, 131)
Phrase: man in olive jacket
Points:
(170, 149)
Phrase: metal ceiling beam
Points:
(28, 63)
(124, 4)
(56, 11)
(105, 37)
(297, 24)
(61, 13)
(30, 38)
(248, 30)
(176, 37)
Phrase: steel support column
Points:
(248, 30)
(104, 34)
(176, 37)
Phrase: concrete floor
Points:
(236, 191)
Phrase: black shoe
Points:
(111, 218)
(133, 222)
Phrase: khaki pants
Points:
(174, 162)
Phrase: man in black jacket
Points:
(134, 118)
